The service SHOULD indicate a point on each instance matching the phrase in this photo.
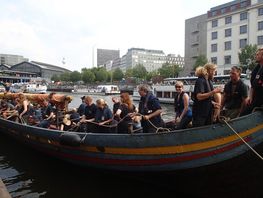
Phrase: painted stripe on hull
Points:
(160, 161)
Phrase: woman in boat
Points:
(116, 104)
(125, 113)
(66, 123)
(90, 109)
(183, 112)
(81, 109)
(103, 114)
(24, 109)
(47, 114)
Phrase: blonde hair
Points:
(179, 83)
(200, 71)
(210, 66)
(101, 102)
(88, 99)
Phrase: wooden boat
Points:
(166, 151)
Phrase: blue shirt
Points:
(103, 114)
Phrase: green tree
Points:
(151, 74)
(55, 78)
(101, 74)
(169, 70)
(65, 77)
(117, 74)
(88, 76)
(139, 71)
(129, 73)
(247, 57)
(75, 76)
(200, 61)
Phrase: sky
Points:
(50, 30)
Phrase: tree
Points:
(139, 71)
(88, 76)
(247, 57)
(55, 78)
(151, 74)
(129, 73)
(75, 76)
(101, 74)
(169, 70)
(65, 77)
(117, 74)
(200, 61)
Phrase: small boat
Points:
(28, 88)
(99, 90)
(180, 150)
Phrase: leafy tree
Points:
(101, 74)
(75, 76)
(169, 70)
(200, 61)
(139, 71)
(247, 57)
(88, 76)
(129, 73)
(117, 74)
(151, 74)
(65, 77)
(55, 78)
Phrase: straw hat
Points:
(66, 120)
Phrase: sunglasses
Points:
(178, 86)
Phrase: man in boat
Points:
(7, 109)
(150, 108)
(235, 94)
(203, 95)
(89, 113)
(81, 109)
(256, 80)
(47, 114)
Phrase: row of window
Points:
(227, 60)
(242, 30)
(243, 16)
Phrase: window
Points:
(214, 23)
(228, 20)
(242, 43)
(243, 16)
(243, 4)
(260, 25)
(227, 60)
(233, 7)
(260, 40)
(223, 10)
(214, 35)
(243, 29)
(260, 11)
(228, 32)
(214, 48)
(214, 60)
(214, 13)
(228, 45)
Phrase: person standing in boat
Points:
(90, 111)
(150, 108)
(203, 95)
(235, 94)
(183, 112)
(256, 80)
(25, 108)
(125, 113)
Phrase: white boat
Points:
(165, 91)
(28, 88)
(99, 90)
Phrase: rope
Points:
(254, 151)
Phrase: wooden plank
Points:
(3, 191)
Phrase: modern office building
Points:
(11, 60)
(195, 41)
(104, 55)
(230, 27)
(175, 60)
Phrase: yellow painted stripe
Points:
(174, 149)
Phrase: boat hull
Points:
(163, 152)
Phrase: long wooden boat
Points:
(168, 151)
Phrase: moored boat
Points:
(180, 150)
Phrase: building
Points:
(43, 70)
(230, 27)
(11, 60)
(104, 55)
(175, 60)
(195, 41)
(150, 59)
(5, 67)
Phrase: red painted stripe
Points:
(142, 162)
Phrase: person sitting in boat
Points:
(90, 111)
(37, 115)
(125, 113)
(47, 114)
(256, 80)
(203, 95)
(150, 108)
(116, 104)
(25, 107)
(7, 109)
(66, 123)
(74, 116)
(183, 112)
(81, 109)
(235, 94)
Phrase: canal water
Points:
(29, 174)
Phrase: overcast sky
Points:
(48, 30)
